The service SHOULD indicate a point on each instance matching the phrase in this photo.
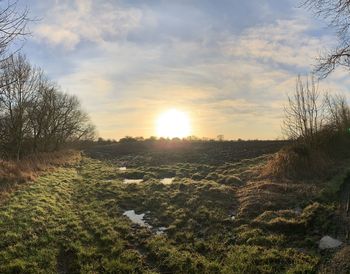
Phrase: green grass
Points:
(50, 225)
(71, 221)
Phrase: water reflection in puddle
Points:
(233, 214)
(167, 181)
(132, 181)
(160, 230)
(139, 220)
(136, 218)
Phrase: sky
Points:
(229, 64)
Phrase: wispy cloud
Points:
(130, 60)
(68, 23)
(283, 43)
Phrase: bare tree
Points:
(304, 113)
(34, 114)
(337, 14)
(18, 87)
(13, 24)
(338, 113)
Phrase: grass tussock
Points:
(298, 162)
(259, 196)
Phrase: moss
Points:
(319, 216)
(332, 186)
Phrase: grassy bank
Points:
(14, 173)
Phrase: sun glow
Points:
(173, 123)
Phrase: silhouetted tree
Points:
(338, 113)
(337, 14)
(19, 84)
(220, 137)
(304, 113)
(34, 114)
(128, 139)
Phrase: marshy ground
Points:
(208, 217)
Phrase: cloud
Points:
(56, 36)
(235, 92)
(285, 42)
(230, 70)
(67, 23)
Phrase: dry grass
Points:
(298, 162)
(13, 173)
(259, 196)
(339, 264)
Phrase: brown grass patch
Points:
(13, 173)
(259, 196)
(298, 162)
(339, 264)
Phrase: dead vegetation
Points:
(259, 196)
(298, 162)
(13, 173)
(339, 263)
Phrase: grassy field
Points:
(212, 218)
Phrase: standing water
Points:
(136, 218)
(132, 181)
(167, 181)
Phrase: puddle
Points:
(233, 214)
(123, 168)
(136, 218)
(160, 230)
(298, 210)
(132, 181)
(139, 220)
(167, 181)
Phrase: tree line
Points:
(35, 115)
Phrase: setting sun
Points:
(173, 123)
